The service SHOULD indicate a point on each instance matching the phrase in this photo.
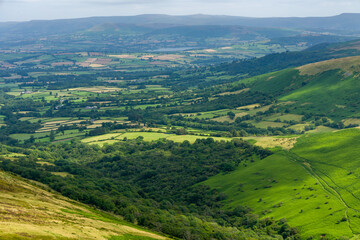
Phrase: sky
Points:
(24, 10)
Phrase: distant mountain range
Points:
(346, 23)
(149, 32)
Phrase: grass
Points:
(314, 186)
(298, 127)
(217, 115)
(130, 237)
(30, 212)
(266, 124)
(26, 136)
(148, 136)
(43, 135)
(265, 142)
(209, 114)
(322, 129)
(226, 118)
(351, 121)
(272, 142)
(329, 87)
(329, 92)
(62, 174)
(280, 188)
(334, 156)
(97, 89)
(285, 117)
(348, 64)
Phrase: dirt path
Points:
(307, 166)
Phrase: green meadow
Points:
(314, 186)
(147, 136)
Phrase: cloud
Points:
(125, 2)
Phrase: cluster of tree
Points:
(155, 184)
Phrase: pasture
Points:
(147, 136)
(314, 185)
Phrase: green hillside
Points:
(29, 211)
(330, 87)
(314, 186)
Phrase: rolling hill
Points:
(280, 61)
(323, 88)
(30, 211)
(341, 23)
(194, 31)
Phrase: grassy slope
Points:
(329, 87)
(27, 211)
(335, 158)
(315, 185)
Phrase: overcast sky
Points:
(21, 10)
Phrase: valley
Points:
(170, 130)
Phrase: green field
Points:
(147, 136)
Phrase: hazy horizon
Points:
(25, 10)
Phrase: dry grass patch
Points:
(250, 107)
(55, 122)
(236, 92)
(348, 65)
(210, 50)
(62, 64)
(104, 137)
(94, 65)
(351, 121)
(199, 55)
(83, 64)
(29, 212)
(322, 129)
(125, 56)
(92, 126)
(168, 57)
(226, 118)
(45, 163)
(98, 89)
(260, 109)
(272, 142)
(102, 121)
(146, 57)
(62, 174)
(298, 127)
(103, 61)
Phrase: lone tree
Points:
(231, 115)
